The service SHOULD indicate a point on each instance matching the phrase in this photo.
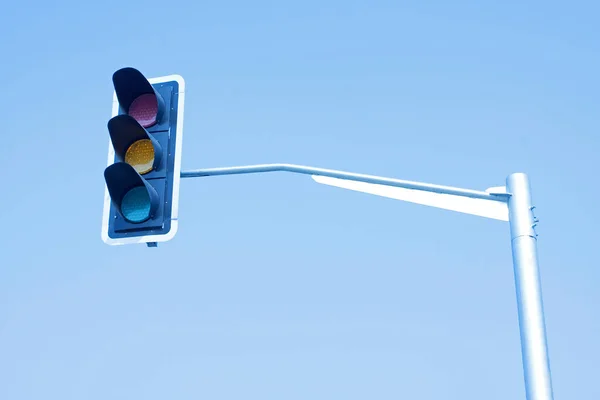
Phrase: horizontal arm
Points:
(300, 169)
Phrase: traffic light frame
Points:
(143, 171)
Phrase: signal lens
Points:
(144, 109)
(140, 155)
(135, 205)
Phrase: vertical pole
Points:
(536, 364)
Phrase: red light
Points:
(144, 110)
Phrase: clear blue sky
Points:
(276, 287)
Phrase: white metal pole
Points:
(536, 365)
(534, 348)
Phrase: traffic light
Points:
(144, 159)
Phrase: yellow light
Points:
(140, 155)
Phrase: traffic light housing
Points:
(144, 159)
